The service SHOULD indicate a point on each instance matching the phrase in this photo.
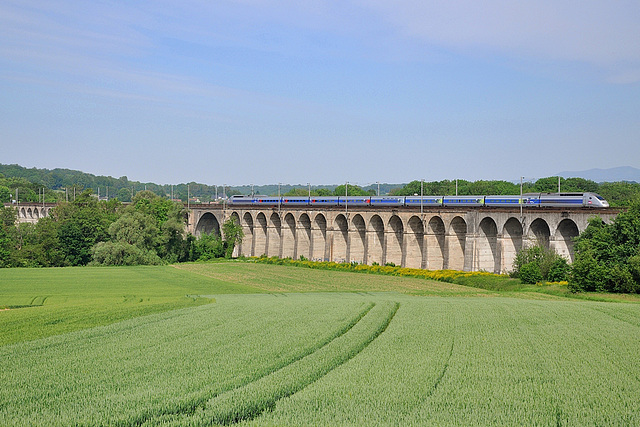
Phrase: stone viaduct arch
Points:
(207, 224)
(32, 212)
(470, 240)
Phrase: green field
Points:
(251, 344)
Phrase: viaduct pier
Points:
(472, 239)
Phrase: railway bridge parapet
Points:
(472, 239)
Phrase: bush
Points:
(122, 253)
(559, 270)
(551, 266)
(587, 274)
(209, 246)
(620, 279)
(531, 273)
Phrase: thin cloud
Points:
(603, 34)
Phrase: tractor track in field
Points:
(251, 401)
(194, 406)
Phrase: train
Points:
(564, 200)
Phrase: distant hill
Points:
(622, 173)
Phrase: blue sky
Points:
(254, 91)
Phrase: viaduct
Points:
(471, 239)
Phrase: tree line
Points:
(149, 230)
(34, 185)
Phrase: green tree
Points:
(353, 190)
(537, 263)
(208, 246)
(233, 235)
(620, 193)
(5, 194)
(298, 192)
(124, 194)
(40, 245)
(608, 255)
(7, 235)
(81, 225)
(133, 241)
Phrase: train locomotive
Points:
(565, 200)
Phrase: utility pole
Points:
(521, 178)
(421, 194)
(378, 187)
(346, 201)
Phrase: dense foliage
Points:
(537, 264)
(150, 230)
(608, 255)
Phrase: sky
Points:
(292, 91)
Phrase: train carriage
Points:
(241, 200)
(267, 201)
(463, 200)
(505, 200)
(324, 201)
(355, 201)
(387, 201)
(424, 201)
(295, 201)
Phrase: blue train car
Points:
(463, 200)
(324, 201)
(424, 201)
(387, 201)
(355, 201)
(295, 201)
(505, 200)
(267, 201)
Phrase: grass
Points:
(45, 302)
(253, 344)
(337, 359)
(278, 278)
